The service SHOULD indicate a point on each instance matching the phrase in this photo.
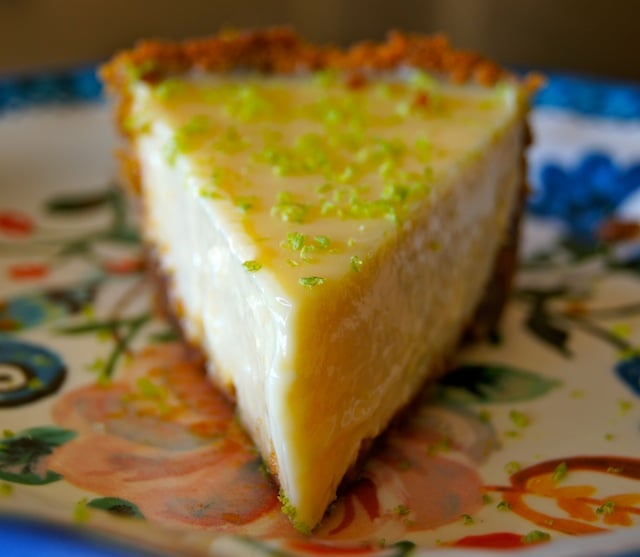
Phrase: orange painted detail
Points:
(564, 525)
(580, 502)
(363, 491)
(496, 540)
(124, 266)
(28, 271)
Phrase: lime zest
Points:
(560, 472)
(311, 282)
(356, 263)
(536, 536)
(252, 265)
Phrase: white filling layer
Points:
(241, 323)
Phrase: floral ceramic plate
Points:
(111, 430)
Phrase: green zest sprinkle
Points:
(560, 472)
(424, 149)
(503, 506)
(606, 508)
(422, 80)
(103, 380)
(401, 510)
(168, 88)
(170, 152)
(230, 141)
(287, 508)
(403, 109)
(200, 123)
(395, 192)
(346, 175)
(149, 389)
(138, 71)
(210, 192)
(536, 536)
(81, 512)
(294, 241)
(136, 124)
(487, 499)
(244, 204)
(34, 383)
(96, 366)
(512, 467)
(519, 419)
(288, 209)
(6, 489)
(322, 241)
(306, 251)
(290, 511)
(186, 139)
(467, 519)
(252, 265)
(624, 406)
(310, 282)
(248, 104)
(325, 78)
(356, 263)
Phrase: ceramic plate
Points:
(111, 431)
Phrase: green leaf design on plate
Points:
(540, 320)
(75, 202)
(484, 383)
(168, 335)
(117, 506)
(111, 199)
(404, 548)
(20, 454)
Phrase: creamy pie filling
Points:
(327, 242)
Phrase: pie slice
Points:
(328, 222)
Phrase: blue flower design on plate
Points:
(32, 309)
(28, 372)
(628, 371)
(591, 96)
(75, 85)
(585, 195)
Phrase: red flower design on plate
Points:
(28, 271)
(15, 224)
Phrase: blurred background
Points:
(598, 37)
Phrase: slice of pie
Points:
(328, 223)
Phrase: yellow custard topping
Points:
(316, 172)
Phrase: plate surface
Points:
(110, 428)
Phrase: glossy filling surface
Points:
(327, 240)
